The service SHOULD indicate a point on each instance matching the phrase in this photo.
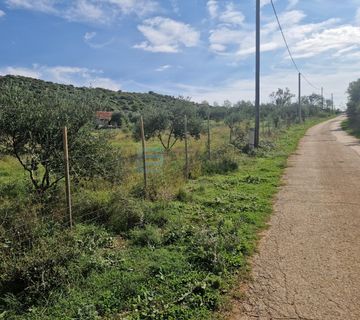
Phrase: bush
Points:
(91, 206)
(126, 213)
(157, 215)
(224, 160)
(149, 236)
(183, 195)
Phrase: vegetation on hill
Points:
(101, 99)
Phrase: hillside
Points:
(106, 100)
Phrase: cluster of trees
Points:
(353, 105)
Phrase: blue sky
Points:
(198, 48)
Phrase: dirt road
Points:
(308, 265)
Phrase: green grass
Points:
(181, 264)
(345, 125)
(13, 179)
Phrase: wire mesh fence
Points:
(147, 171)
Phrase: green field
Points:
(177, 257)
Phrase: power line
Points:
(288, 48)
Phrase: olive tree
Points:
(232, 120)
(168, 125)
(31, 131)
(282, 97)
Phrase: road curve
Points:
(308, 264)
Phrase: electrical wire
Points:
(288, 48)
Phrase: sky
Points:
(203, 49)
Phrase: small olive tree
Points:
(31, 131)
(168, 125)
(232, 120)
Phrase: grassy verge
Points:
(345, 125)
(179, 264)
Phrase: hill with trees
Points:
(128, 103)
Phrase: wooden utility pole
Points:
(209, 137)
(332, 103)
(67, 176)
(322, 98)
(257, 77)
(186, 149)
(143, 153)
(300, 115)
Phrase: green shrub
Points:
(224, 160)
(157, 215)
(92, 206)
(149, 236)
(126, 213)
(183, 195)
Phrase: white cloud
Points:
(83, 10)
(102, 12)
(19, 71)
(2, 13)
(89, 35)
(223, 36)
(105, 83)
(231, 15)
(89, 40)
(36, 5)
(163, 68)
(304, 39)
(212, 6)
(77, 76)
(166, 35)
(334, 39)
(139, 7)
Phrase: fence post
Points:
(186, 149)
(143, 153)
(209, 137)
(67, 176)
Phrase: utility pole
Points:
(300, 116)
(322, 98)
(257, 77)
(332, 103)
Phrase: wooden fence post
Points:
(209, 138)
(67, 176)
(186, 149)
(143, 153)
